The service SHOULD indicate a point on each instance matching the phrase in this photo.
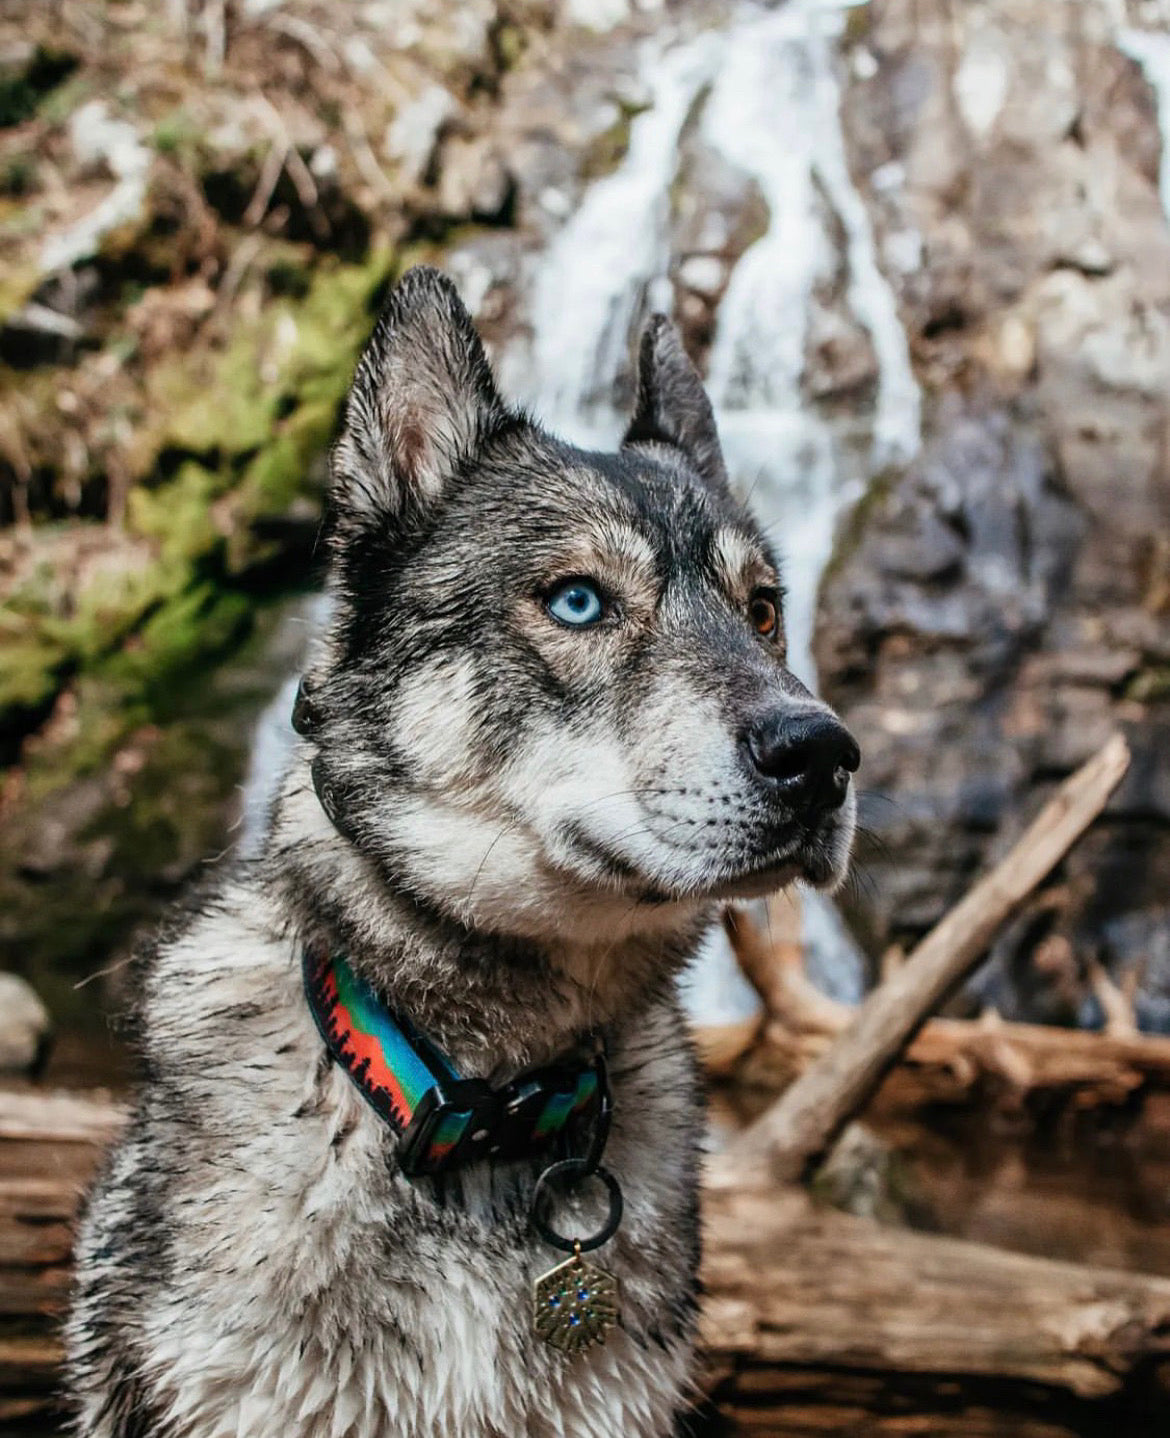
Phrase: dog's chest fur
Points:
(254, 1263)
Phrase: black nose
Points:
(809, 757)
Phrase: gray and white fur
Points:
(534, 823)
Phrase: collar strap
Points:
(443, 1120)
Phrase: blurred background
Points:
(919, 250)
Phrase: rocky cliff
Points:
(995, 609)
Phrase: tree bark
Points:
(817, 1322)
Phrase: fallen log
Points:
(788, 1140)
(812, 1321)
(50, 1145)
(817, 1322)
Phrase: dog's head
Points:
(555, 700)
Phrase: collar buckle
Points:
(453, 1123)
(459, 1121)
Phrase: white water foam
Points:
(775, 114)
(1151, 50)
(593, 277)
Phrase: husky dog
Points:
(552, 731)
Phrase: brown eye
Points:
(762, 612)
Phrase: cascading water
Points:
(771, 111)
(593, 277)
(1151, 50)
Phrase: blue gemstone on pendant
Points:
(554, 1303)
(574, 1319)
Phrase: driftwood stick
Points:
(789, 1138)
(1008, 1067)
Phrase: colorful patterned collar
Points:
(442, 1120)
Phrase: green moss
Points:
(109, 608)
(31, 668)
(279, 474)
(1150, 685)
(227, 403)
(219, 404)
(180, 637)
(178, 515)
(610, 148)
(853, 527)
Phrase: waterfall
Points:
(1151, 50)
(592, 280)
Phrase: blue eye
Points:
(575, 603)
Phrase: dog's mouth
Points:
(805, 857)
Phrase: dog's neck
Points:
(495, 1004)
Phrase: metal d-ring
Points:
(574, 1170)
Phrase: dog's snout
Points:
(808, 756)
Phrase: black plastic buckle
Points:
(452, 1124)
(467, 1119)
(522, 1103)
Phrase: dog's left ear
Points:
(423, 401)
(671, 405)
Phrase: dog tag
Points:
(576, 1303)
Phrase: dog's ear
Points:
(671, 405)
(422, 403)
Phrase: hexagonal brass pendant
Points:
(575, 1304)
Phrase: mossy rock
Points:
(32, 667)
(92, 849)
(179, 638)
(226, 404)
(235, 452)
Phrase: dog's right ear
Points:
(671, 406)
(423, 401)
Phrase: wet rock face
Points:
(996, 610)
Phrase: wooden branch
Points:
(1005, 1066)
(812, 1322)
(773, 963)
(795, 1132)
